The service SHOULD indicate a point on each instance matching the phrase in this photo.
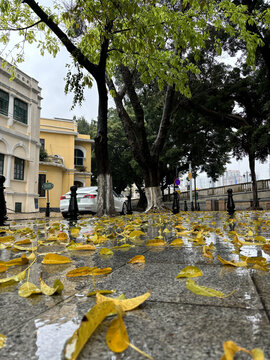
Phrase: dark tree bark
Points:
(255, 202)
(146, 155)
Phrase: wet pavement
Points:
(173, 323)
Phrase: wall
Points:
(20, 140)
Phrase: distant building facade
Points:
(19, 140)
(65, 159)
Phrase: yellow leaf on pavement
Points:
(230, 348)
(47, 290)
(3, 268)
(15, 278)
(2, 340)
(137, 259)
(92, 293)
(204, 291)
(88, 325)
(190, 271)
(81, 271)
(127, 304)
(23, 242)
(177, 242)
(136, 233)
(80, 246)
(257, 354)
(155, 242)
(117, 336)
(55, 259)
(27, 289)
(105, 251)
(62, 236)
(260, 238)
(7, 238)
(102, 271)
(74, 231)
(232, 263)
(18, 261)
(25, 248)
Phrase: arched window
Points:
(78, 157)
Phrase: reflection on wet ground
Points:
(38, 326)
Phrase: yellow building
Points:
(66, 160)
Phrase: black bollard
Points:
(198, 207)
(230, 203)
(192, 206)
(175, 207)
(129, 208)
(3, 208)
(73, 206)
(185, 206)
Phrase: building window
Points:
(42, 144)
(20, 111)
(78, 157)
(18, 169)
(41, 181)
(1, 164)
(4, 98)
(18, 207)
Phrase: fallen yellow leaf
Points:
(102, 271)
(155, 242)
(27, 289)
(136, 233)
(55, 259)
(88, 325)
(117, 336)
(81, 271)
(190, 271)
(23, 242)
(127, 304)
(205, 291)
(232, 263)
(62, 236)
(18, 261)
(230, 348)
(3, 268)
(2, 340)
(25, 248)
(15, 278)
(47, 290)
(105, 251)
(137, 259)
(80, 246)
(177, 242)
(92, 293)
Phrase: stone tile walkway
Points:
(174, 323)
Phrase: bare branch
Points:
(24, 28)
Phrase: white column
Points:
(10, 110)
(8, 172)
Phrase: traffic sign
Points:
(47, 186)
(189, 175)
(177, 182)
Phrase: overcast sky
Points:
(50, 73)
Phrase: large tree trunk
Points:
(255, 203)
(104, 178)
(152, 187)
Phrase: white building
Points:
(19, 140)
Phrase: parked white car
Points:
(87, 201)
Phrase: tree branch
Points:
(165, 121)
(24, 28)
(71, 48)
